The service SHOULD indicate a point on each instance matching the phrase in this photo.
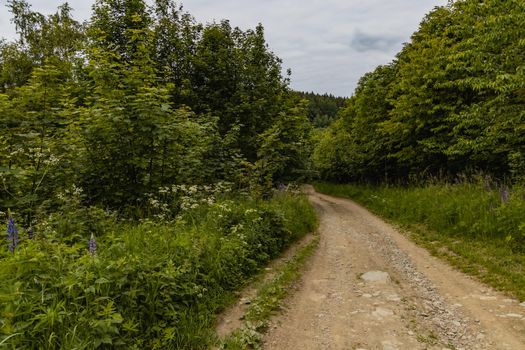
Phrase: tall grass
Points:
(149, 286)
(481, 230)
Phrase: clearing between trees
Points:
(369, 287)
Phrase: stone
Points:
(382, 312)
(376, 276)
(387, 345)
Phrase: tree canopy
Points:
(451, 102)
(140, 97)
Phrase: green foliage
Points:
(137, 99)
(152, 285)
(460, 217)
(451, 102)
(54, 40)
(33, 141)
(284, 148)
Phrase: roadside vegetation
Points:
(478, 228)
(156, 284)
(269, 299)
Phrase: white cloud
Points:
(328, 44)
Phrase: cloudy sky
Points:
(328, 44)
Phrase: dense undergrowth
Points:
(155, 285)
(479, 229)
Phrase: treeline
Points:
(322, 109)
(453, 101)
(138, 98)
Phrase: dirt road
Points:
(368, 287)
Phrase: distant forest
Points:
(322, 109)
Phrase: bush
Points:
(152, 285)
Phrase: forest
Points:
(451, 102)
(148, 161)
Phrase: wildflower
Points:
(92, 245)
(30, 233)
(12, 234)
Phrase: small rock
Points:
(387, 345)
(523, 304)
(376, 276)
(382, 312)
(366, 295)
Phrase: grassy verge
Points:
(478, 230)
(152, 285)
(269, 299)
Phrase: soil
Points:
(369, 287)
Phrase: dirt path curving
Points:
(368, 287)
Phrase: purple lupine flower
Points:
(30, 233)
(504, 195)
(12, 234)
(92, 245)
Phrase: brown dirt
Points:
(422, 303)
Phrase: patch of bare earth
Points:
(368, 287)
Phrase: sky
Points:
(328, 44)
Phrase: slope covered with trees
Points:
(451, 102)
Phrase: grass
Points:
(269, 299)
(472, 227)
(151, 285)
